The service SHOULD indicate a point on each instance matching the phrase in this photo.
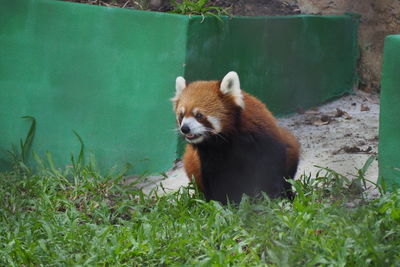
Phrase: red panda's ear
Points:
(231, 85)
(180, 84)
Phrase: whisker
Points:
(213, 131)
(222, 137)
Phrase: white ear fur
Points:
(231, 85)
(180, 84)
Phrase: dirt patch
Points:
(346, 142)
(155, 5)
(234, 7)
(258, 7)
(115, 3)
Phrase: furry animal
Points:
(235, 146)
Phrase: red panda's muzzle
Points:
(193, 131)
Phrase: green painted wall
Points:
(389, 130)
(286, 61)
(108, 73)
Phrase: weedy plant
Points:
(330, 184)
(19, 155)
(140, 4)
(198, 7)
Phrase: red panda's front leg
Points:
(191, 163)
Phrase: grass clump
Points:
(197, 7)
(78, 217)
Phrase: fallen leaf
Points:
(353, 150)
(318, 231)
(364, 108)
(339, 112)
(347, 116)
(312, 112)
(320, 122)
(325, 118)
(343, 114)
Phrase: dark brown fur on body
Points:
(255, 118)
(237, 123)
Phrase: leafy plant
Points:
(140, 4)
(197, 7)
(19, 156)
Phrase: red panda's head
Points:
(207, 108)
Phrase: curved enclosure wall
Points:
(108, 73)
(288, 62)
(389, 129)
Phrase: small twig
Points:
(125, 4)
(139, 5)
(202, 18)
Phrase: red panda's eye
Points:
(199, 116)
(180, 116)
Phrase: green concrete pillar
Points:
(389, 130)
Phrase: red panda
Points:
(235, 146)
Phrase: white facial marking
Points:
(197, 140)
(196, 129)
(231, 85)
(215, 123)
(194, 125)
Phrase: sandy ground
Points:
(340, 135)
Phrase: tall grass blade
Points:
(364, 169)
(81, 151)
(52, 165)
(39, 161)
(27, 144)
(367, 164)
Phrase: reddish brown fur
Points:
(207, 97)
(192, 165)
(292, 151)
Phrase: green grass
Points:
(197, 7)
(78, 217)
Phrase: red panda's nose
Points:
(185, 129)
